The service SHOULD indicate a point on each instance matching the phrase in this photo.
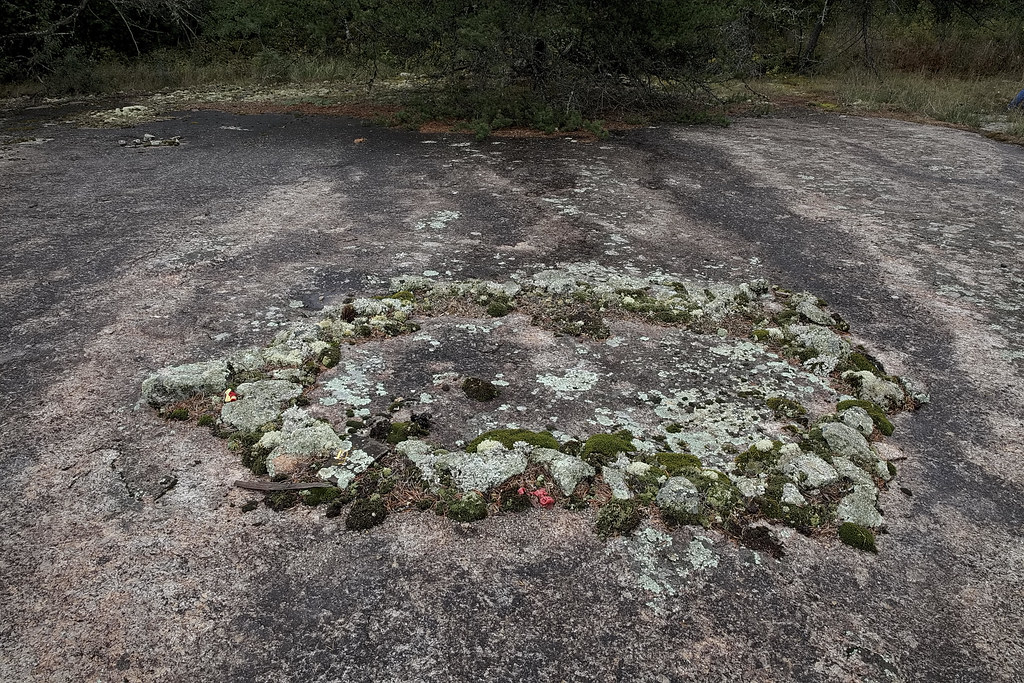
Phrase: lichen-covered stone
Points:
(300, 435)
(258, 403)
(567, 470)
(860, 507)
(791, 495)
(859, 419)
(808, 470)
(806, 304)
(848, 443)
(179, 382)
(679, 494)
(616, 480)
(294, 346)
(848, 470)
(872, 388)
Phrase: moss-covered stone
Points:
(618, 517)
(470, 508)
(858, 361)
(878, 416)
(366, 513)
(857, 536)
(755, 461)
(601, 449)
(677, 463)
(508, 438)
(480, 389)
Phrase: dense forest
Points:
(596, 53)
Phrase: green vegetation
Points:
(553, 66)
(878, 416)
(402, 431)
(786, 408)
(678, 463)
(366, 513)
(858, 536)
(601, 449)
(480, 389)
(508, 437)
(618, 517)
(470, 508)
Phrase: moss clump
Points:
(281, 500)
(677, 463)
(878, 416)
(784, 407)
(673, 428)
(508, 437)
(320, 495)
(859, 362)
(480, 389)
(857, 536)
(403, 431)
(891, 468)
(207, 421)
(511, 500)
(470, 508)
(579, 323)
(180, 414)
(761, 335)
(753, 462)
(718, 494)
(675, 517)
(618, 517)
(572, 448)
(330, 356)
(403, 295)
(802, 518)
(601, 449)
(244, 443)
(249, 506)
(366, 513)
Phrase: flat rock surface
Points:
(121, 260)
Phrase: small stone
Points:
(680, 495)
(567, 470)
(859, 419)
(791, 495)
(616, 480)
(809, 471)
(860, 507)
(872, 388)
(177, 383)
(848, 443)
(750, 487)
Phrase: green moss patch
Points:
(508, 437)
(678, 463)
(480, 389)
(281, 500)
(470, 508)
(857, 536)
(320, 495)
(403, 431)
(786, 408)
(366, 513)
(618, 517)
(753, 462)
(601, 449)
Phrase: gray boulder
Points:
(847, 442)
(809, 471)
(858, 419)
(860, 507)
(258, 403)
(179, 382)
(567, 470)
(679, 494)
